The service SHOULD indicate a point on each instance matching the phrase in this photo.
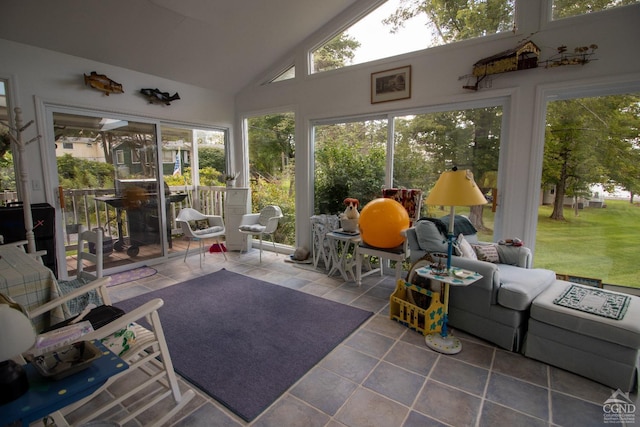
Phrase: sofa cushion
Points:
(519, 286)
(465, 248)
(214, 229)
(625, 331)
(488, 253)
(429, 237)
(514, 255)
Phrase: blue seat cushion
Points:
(519, 286)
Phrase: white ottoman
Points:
(600, 348)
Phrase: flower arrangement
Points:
(228, 178)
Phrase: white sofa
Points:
(495, 308)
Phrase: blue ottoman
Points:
(603, 349)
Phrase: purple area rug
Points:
(131, 275)
(245, 341)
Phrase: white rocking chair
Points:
(149, 362)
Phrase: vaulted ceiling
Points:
(218, 44)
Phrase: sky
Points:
(380, 43)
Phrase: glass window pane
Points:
(588, 224)
(109, 180)
(565, 8)
(400, 26)
(211, 157)
(288, 74)
(427, 144)
(350, 161)
(272, 168)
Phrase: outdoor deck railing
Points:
(81, 207)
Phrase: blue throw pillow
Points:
(429, 237)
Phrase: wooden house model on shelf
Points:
(522, 57)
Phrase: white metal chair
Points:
(212, 228)
(149, 362)
(261, 224)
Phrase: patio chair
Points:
(411, 200)
(151, 380)
(261, 224)
(89, 266)
(211, 227)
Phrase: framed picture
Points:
(391, 85)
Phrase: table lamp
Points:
(453, 188)
(16, 336)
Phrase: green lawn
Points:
(601, 243)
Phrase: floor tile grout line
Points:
(486, 388)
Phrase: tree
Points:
(567, 8)
(212, 165)
(349, 162)
(337, 53)
(79, 173)
(271, 143)
(468, 139)
(454, 20)
(591, 141)
(623, 160)
(211, 157)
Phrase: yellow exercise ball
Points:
(381, 222)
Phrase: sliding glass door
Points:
(108, 178)
(130, 177)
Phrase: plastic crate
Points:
(425, 321)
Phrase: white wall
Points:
(435, 73)
(38, 76)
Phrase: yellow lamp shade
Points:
(456, 188)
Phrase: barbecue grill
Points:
(139, 200)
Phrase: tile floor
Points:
(384, 375)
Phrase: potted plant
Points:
(231, 180)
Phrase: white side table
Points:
(341, 245)
(444, 342)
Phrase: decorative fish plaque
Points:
(155, 96)
(102, 83)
